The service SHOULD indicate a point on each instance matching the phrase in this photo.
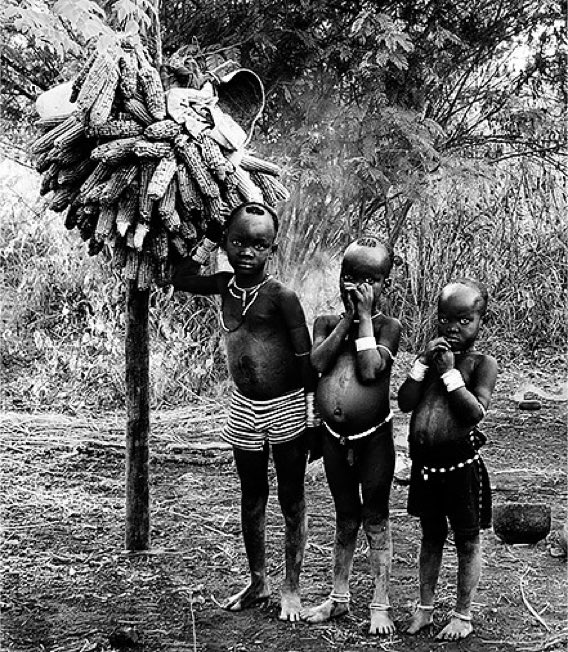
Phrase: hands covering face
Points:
(359, 298)
(438, 354)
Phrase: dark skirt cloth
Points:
(462, 495)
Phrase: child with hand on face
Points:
(448, 392)
(268, 346)
(354, 352)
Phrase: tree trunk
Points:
(137, 536)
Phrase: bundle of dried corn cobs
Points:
(131, 175)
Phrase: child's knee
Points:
(467, 544)
(347, 526)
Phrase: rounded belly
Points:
(348, 405)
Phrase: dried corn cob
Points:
(163, 175)
(43, 162)
(99, 174)
(119, 252)
(87, 227)
(187, 230)
(159, 244)
(191, 156)
(213, 157)
(45, 142)
(162, 130)
(279, 189)
(45, 124)
(69, 156)
(131, 266)
(121, 128)
(167, 202)
(140, 232)
(153, 91)
(102, 106)
(152, 149)
(128, 66)
(171, 221)
(49, 179)
(256, 164)
(127, 208)
(136, 108)
(179, 245)
(114, 151)
(120, 179)
(72, 216)
(188, 192)
(145, 271)
(61, 199)
(78, 173)
(145, 204)
(95, 246)
(163, 273)
(268, 193)
(102, 69)
(246, 187)
(105, 223)
(216, 209)
(94, 194)
(82, 76)
(232, 197)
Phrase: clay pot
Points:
(521, 522)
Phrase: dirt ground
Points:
(67, 583)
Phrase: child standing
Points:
(448, 391)
(353, 353)
(268, 347)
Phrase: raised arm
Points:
(411, 390)
(187, 278)
(327, 341)
(471, 404)
(376, 346)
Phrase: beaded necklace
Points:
(247, 296)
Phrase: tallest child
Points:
(268, 346)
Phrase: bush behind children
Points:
(275, 368)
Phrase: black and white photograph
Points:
(283, 335)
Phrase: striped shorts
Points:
(253, 422)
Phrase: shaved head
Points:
(372, 251)
(467, 289)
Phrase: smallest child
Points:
(448, 392)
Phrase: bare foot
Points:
(381, 622)
(455, 630)
(325, 611)
(421, 618)
(290, 607)
(248, 597)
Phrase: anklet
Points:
(341, 598)
(425, 607)
(377, 606)
(459, 616)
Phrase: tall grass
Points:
(504, 225)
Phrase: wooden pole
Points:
(137, 350)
